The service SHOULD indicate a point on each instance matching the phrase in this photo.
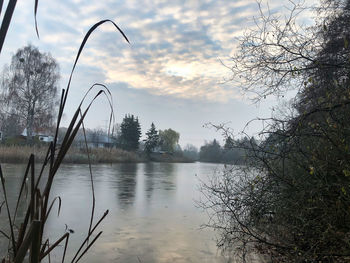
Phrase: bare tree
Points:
(273, 57)
(29, 88)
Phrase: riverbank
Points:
(20, 154)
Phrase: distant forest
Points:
(232, 152)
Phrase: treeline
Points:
(233, 151)
(159, 145)
(128, 137)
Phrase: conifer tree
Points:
(130, 133)
(152, 140)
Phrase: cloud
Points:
(174, 55)
(175, 45)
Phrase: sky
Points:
(171, 73)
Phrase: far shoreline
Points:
(20, 154)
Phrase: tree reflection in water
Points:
(126, 183)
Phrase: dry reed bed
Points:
(19, 154)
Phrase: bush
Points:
(292, 200)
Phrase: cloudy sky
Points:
(169, 74)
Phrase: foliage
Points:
(168, 140)
(210, 152)
(236, 151)
(233, 152)
(130, 133)
(29, 89)
(292, 201)
(152, 139)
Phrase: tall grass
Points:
(30, 234)
(19, 154)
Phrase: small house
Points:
(45, 138)
(93, 140)
(40, 136)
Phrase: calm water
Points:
(152, 211)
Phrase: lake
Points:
(152, 217)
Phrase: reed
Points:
(19, 154)
(30, 234)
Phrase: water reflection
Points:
(152, 216)
(126, 183)
(159, 181)
(167, 174)
(149, 172)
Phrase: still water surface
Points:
(152, 217)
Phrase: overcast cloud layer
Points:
(171, 72)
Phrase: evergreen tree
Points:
(152, 140)
(130, 133)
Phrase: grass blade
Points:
(65, 236)
(70, 137)
(32, 189)
(33, 230)
(87, 238)
(1, 4)
(8, 211)
(59, 117)
(65, 249)
(35, 13)
(88, 247)
(46, 244)
(6, 21)
(23, 228)
(30, 162)
(35, 240)
(4, 234)
(87, 35)
(52, 203)
(48, 157)
(91, 180)
(110, 102)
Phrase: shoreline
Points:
(20, 154)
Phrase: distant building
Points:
(41, 136)
(45, 138)
(99, 141)
(94, 140)
(24, 133)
